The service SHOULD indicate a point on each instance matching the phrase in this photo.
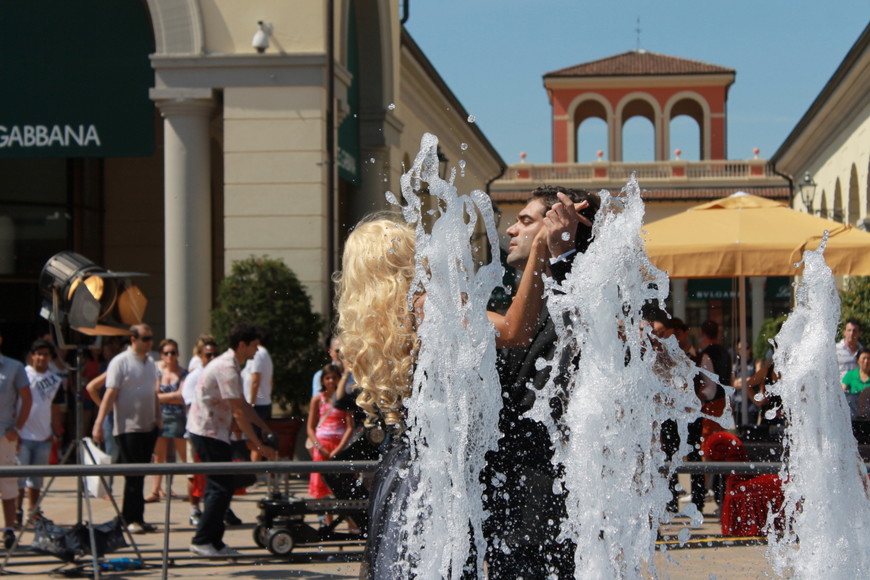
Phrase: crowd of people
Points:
(145, 408)
(140, 406)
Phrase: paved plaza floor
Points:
(706, 554)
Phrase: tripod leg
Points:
(93, 540)
(166, 527)
(35, 509)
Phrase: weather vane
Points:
(637, 29)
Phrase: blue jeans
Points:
(32, 452)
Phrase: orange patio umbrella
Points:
(746, 235)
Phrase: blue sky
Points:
(493, 54)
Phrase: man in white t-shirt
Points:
(257, 381)
(849, 347)
(131, 391)
(208, 351)
(218, 403)
(45, 423)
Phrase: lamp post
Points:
(807, 188)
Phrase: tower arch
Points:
(694, 106)
(638, 104)
(671, 86)
(584, 107)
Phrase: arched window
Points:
(591, 138)
(638, 140)
(590, 118)
(638, 131)
(685, 136)
(837, 210)
(687, 129)
(854, 208)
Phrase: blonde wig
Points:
(376, 324)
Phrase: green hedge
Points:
(264, 291)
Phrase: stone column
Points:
(679, 287)
(756, 285)
(187, 223)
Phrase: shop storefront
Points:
(74, 83)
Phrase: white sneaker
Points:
(135, 528)
(209, 551)
(229, 552)
(206, 550)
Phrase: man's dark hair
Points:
(547, 196)
(853, 322)
(243, 332)
(41, 343)
(665, 320)
(678, 324)
(710, 329)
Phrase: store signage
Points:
(82, 89)
(26, 136)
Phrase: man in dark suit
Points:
(524, 510)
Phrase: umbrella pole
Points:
(744, 411)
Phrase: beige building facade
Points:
(275, 152)
(831, 144)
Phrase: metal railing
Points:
(706, 170)
(305, 467)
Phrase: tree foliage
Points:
(264, 291)
(768, 331)
(855, 301)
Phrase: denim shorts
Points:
(173, 425)
(33, 453)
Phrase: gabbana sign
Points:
(82, 89)
(27, 136)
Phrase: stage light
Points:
(77, 295)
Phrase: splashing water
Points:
(827, 507)
(453, 413)
(616, 398)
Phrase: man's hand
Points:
(12, 434)
(561, 223)
(97, 432)
(268, 452)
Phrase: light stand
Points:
(83, 302)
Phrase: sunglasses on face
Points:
(210, 355)
(170, 353)
(146, 338)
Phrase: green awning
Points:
(74, 79)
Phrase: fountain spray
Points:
(826, 513)
(452, 416)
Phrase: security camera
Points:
(261, 37)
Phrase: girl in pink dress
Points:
(329, 428)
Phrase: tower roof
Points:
(640, 63)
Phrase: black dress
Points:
(391, 488)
